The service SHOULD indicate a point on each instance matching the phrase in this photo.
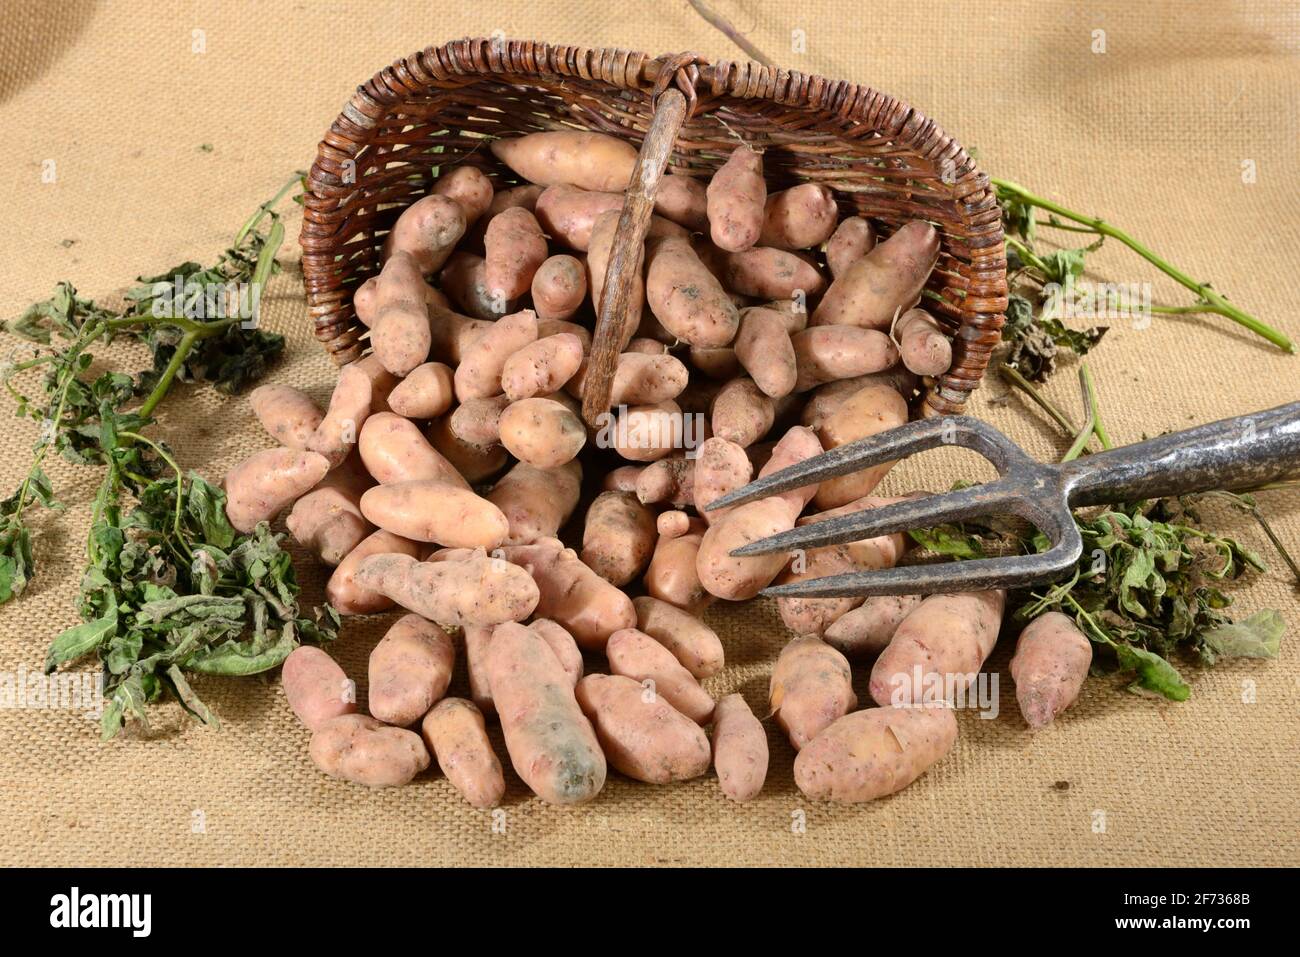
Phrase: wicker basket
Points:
(434, 109)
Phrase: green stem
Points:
(171, 463)
(264, 209)
(1214, 302)
(165, 382)
(1094, 406)
(1020, 382)
(1054, 223)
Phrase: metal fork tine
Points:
(977, 575)
(844, 460)
(898, 517)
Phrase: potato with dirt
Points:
(734, 200)
(826, 353)
(721, 467)
(427, 230)
(476, 590)
(764, 348)
(853, 238)
(739, 749)
(288, 415)
(647, 740)
(552, 745)
(456, 735)
(401, 331)
(360, 749)
(568, 214)
(589, 608)
(559, 288)
(685, 296)
(922, 345)
(644, 433)
(1049, 667)
(342, 590)
(939, 647)
(639, 379)
(469, 187)
(672, 576)
(634, 654)
(870, 754)
(515, 249)
(742, 413)
(350, 406)
(542, 367)
(602, 242)
(479, 373)
(464, 280)
(766, 273)
(871, 410)
(410, 669)
(327, 521)
(267, 482)
(867, 630)
(426, 393)
(316, 687)
(692, 642)
(475, 462)
(811, 687)
(394, 450)
(802, 217)
(669, 481)
(884, 283)
(592, 161)
(542, 432)
(429, 510)
(618, 538)
(683, 200)
(537, 502)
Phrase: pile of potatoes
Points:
(441, 476)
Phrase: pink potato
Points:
(739, 749)
(475, 590)
(288, 415)
(721, 467)
(427, 230)
(867, 630)
(464, 280)
(342, 590)
(801, 217)
(873, 409)
(683, 200)
(636, 655)
(742, 413)
(764, 348)
(826, 353)
(360, 749)
(852, 239)
(618, 537)
(672, 576)
(559, 288)
(429, 510)
(541, 367)
(479, 373)
(316, 687)
(692, 642)
(767, 273)
(589, 608)
(400, 330)
(327, 521)
(542, 432)
(811, 687)
(735, 199)
(922, 345)
(568, 213)
(267, 482)
(685, 296)
(870, 754)
(1049, 667)
(454, 731)
(471, 190)
(425, 393)
(647, 740)
(639, 379)
(394, 450)
(591, 161)
(350, 406)
(410, 669)
(515, 249)
(884, 283)
(536, 502)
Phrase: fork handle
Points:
(1233, 453)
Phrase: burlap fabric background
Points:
(1152, 133)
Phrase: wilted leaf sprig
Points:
(170, 586)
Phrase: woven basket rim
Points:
(978, 319)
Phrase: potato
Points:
(945, 640)
(683, 200)
(471, 190)
(394, 450)
(685, 296)
(342, 590)
(425, 393)
(647, 740)
(515, 249)
(764, 348)
(811, 687)
(567, 213)
(828, 397)
(886, 281)
(639, 379)
(569, 157)
(793, 313)
(541, 367)
(644, 433)
(922, 345)
(801, 217)
(477, 638)
(350, 406)
(825, 353)
(672, 576)
(1050, 664)
(478, 421)
(559, 287)
(479, 373)
(742, 412)
(428, 230)
(865, 631)
(770, 274)
(265, 483)
(562, 643)
(382, 382)
(357, 748)
(316, 687)
(410, 669)
(873, 409)
(464, 280)
(721, 467)
(622, 479)
(401, 331)
(587, 606)
(553, 327)
(670, 480)
(636, 655)
(692, 642)
(618, 538)
(882, 551)
(537, 502)
(472, 591)
(327, 521)
(552, 746)
(872, 753)
(454, 334)
(716, 363)
(288, 415)
(812, 616)
(428, 510)
(455, 733)
(739, 749)
(853, 238)
(542, 432)
(672, 524)
(735, 200)
(475, 463)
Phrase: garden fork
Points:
(1241, 452)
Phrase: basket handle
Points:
(672, 107)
